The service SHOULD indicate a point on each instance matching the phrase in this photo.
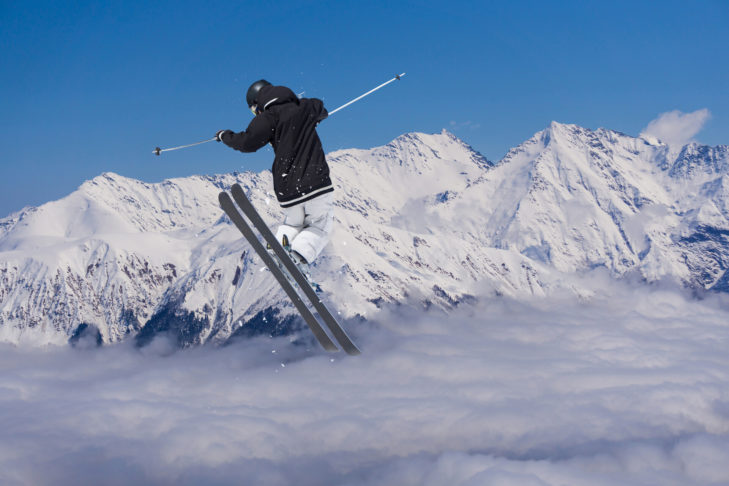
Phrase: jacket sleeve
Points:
(317, 108)
(257, 135)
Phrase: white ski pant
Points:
(307, 226)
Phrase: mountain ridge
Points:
(424, 218)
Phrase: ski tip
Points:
(157, 151)
(399, 76)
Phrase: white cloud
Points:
(464, 125)
(676, 128)
(629, 389)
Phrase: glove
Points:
(219, 135)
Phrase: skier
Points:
(300, 171)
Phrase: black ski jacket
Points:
(300, 171)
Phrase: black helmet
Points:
(252, 93)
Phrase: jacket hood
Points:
(275, 95)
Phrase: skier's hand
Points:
(219, 135)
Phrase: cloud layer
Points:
(676, 128)
(631, 388)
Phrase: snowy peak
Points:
(565, 160)
(412, 168)
(111, 204)
(575, 199)
(167, 205)
(420, 153)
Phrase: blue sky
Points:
(88, 87)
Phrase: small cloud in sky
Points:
(676, 128)
(466, 124)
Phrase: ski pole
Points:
(396, 78)
(158, 150)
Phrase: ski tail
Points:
(226, 203)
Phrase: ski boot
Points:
(298, 260)
(303, 267)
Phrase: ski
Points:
(331, 322)
(229, 207)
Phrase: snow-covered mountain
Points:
(424, 218)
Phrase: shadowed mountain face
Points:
(423, 219)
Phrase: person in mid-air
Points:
(300, 171)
